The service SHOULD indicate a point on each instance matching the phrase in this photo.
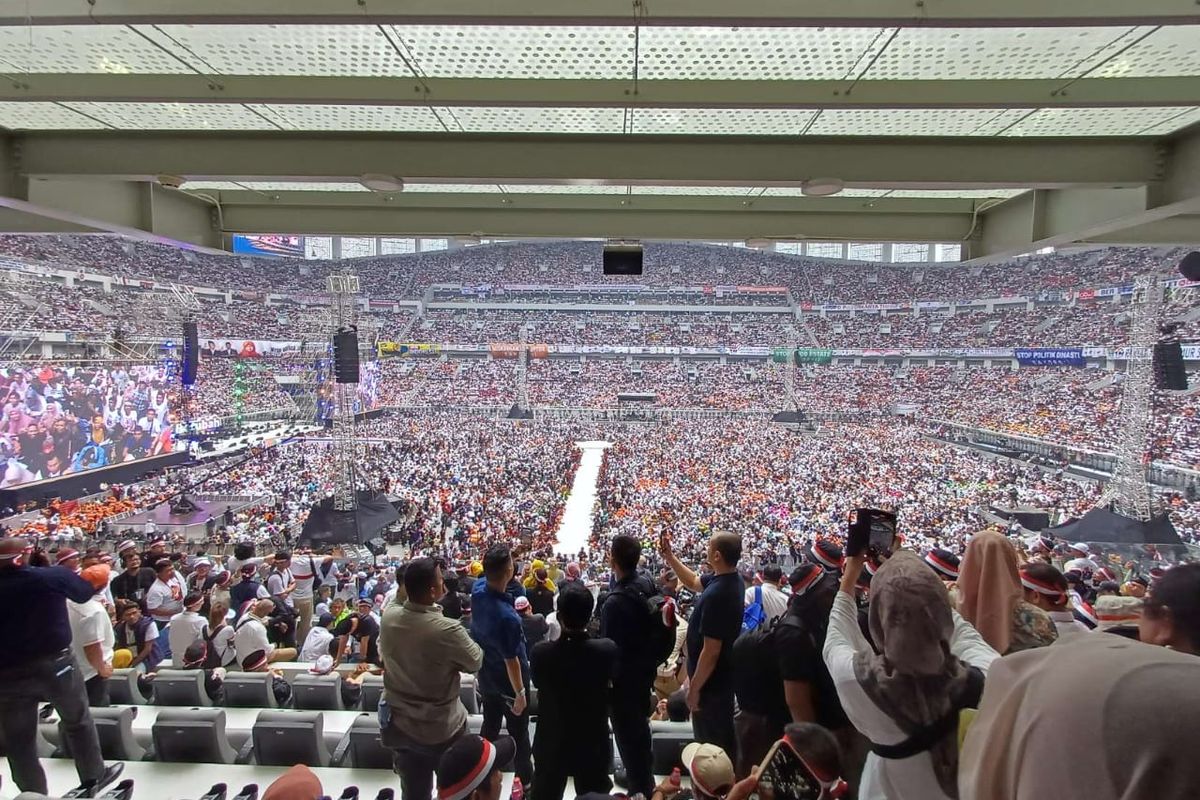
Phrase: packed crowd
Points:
(578, 264)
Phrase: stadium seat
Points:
(284, 738)
(475, 723)
(192, 736)
(114, 727)
(372, 691)
(533, 701)
(123, 689)
(180, 687)
(667, 740)
(468, 694)
(361, 748)
(249, 690)
(318, 692)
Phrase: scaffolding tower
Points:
(343, 305)
(1129, 491)
(790, 403)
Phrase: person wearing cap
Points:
(944, 563)
(716, 623)
(187, 627)
(469, 769)
(135, 580)
(533, 625)
(92, 637)
(827, 554)
(1046, 588)
(573, 676)
(67, 558)
(423, 654)
(623, 619)
(504, 677)
(1118, 615)
(774, 599)
(40, 666)
(164, 599)
(710, 769)
(1081, 552)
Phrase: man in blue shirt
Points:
(504, 677)
(39, 666)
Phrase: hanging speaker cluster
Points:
(191, 354)
(345, 356)
(1169, 371)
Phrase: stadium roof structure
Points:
(1008, 125)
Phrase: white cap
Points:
(322, 666)
(1081, 547)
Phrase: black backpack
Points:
(212, 659)
(660, 637)
(754, 650)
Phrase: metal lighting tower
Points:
(1129, 492)
(790, 404)
(523, 371)
(343, 305)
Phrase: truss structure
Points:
(343, 305)
(1129, 491)
(790, 403)
(523, 371)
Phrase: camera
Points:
(871, 532)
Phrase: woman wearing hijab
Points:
(915, 685)
(991, 598)
(1084, 720)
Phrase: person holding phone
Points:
(930, 664)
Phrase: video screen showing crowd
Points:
(742, 609)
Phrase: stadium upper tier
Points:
(578, 264)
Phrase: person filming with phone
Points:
(930, 664)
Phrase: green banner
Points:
(814, 355)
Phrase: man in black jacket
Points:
(134, 581)
(624, 619)
(572, 677)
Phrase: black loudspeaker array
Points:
(345, 356)
(1169, 372)
(191, 354)
(622, 259)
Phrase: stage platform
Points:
(191, 525)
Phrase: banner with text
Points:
(1049, 357)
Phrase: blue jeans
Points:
(164, 639)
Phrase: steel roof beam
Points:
(871, 13)
(400, 91)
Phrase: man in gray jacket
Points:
(423, 653)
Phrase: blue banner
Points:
(1049, 357)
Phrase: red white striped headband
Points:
(471, 781)
(1035, 585)
(941, 564)
(823, 559)
(807, 583)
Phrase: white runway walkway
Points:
(576, 524)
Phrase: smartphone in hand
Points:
(871, 531)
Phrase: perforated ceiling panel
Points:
(519, 51)
(82, 48)
(755, 53)
(976, 53)
(351, 118)
(457, 188)
(911, 122)
(523, 120)
(300, 186)
(544, 188)
(952, 193)
(283, 49)
(1167, 51)
(795, 191)
(726, 191)
(1099, 121)
(49, 116)
(721, 121)
(175, 116)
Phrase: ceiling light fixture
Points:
(377, 182)
(822, 187)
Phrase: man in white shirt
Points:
(164, 599)
(92, 637)
(304, 568)
(774, 599)
(187, 628)
(317, 643)
(251, 636)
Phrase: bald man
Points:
(38, 665)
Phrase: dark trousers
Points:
(712, 723)
(55, 679)
(550, 780)
(755, 735)
(97, 691)
(415, 762)
(494, 709)
(630, 716)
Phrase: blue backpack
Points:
(754, 615)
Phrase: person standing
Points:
(135, 581)
(774, 599)
(92, 636)
(164, 599)
(715, 624)
(305, 569)
(534, 625)
(504, 677)
(572, 675)
(423, 653)
(187, 627)
(40, 665)
(624, 619)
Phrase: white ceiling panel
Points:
(82, 48)
(795, 191)
(756, 53)
(537, 120)
(911, 122)
(299, 186)
(1101, 121)
(217, 186)
(722, 121)
(350, 118)
(954, 193)
(44, 116)
(457, 188)
(560, 188)
(1168, 51)
(518, 51)
(175, 116)
(282, 49)
(723, 191)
